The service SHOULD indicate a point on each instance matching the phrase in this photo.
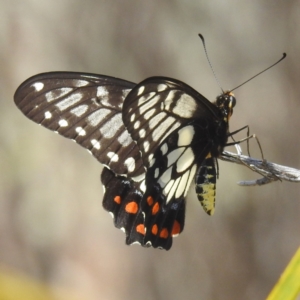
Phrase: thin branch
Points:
(270, 171)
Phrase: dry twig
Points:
(270, 171)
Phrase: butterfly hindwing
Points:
(122, 198)
(87, 109)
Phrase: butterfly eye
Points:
(232, 101)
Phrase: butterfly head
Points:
(226, 102)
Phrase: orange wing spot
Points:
(131, 207)
(150, 200)
(155, 208)
(176, 228)
(164, 233)
(154, 229)
(117, 199)
(140, 229)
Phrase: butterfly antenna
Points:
(204, 46)
(283, 57)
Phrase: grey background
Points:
(52, 225)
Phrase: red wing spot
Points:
(150, 200)
(164, 233)
(131, 207)
(176, 228)
(140, 229)
(154, 229)
(155, 208)
(117, 199)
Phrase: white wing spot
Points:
(79, 110)
(114, 157)
(136, 124)
(168, 187)
(145, 98)
(150, 157)
(125, 139)
(149, 114)
(110, 128)
(102, 91)
(185, 160)
(146, 146)
(102, 95)
(139, 177)
(161, 87)
(182, 186)
(151, 163)
(130, 164)
(95, 144)
(80, 83)
(142, 133)
(164, 149)
(143, 186)
(186, 135)
(80, 131)
(169, 100)
(38, 86)
(96, 117)
(165, 177)
(149, 104)
(161, 129)
(154, 122)
(48, 115)
(63, 123)
(132, 118)
(173, 189)
(185, 106)
(69, 101)
(156, 173)
(174, 155)
(135, 243)
(55, 94)
(140, 91)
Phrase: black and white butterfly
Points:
(153, 139)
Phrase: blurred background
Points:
(56, 241)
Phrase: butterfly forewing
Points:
(87, 109)
(157, 107)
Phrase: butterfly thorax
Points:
(225, 104)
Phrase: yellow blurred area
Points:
(288, 285)
(17, 286)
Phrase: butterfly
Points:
(153, 139)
